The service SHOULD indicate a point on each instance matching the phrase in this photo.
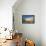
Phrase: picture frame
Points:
(28, 19)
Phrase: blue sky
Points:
(27, 16)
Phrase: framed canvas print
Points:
(28, 19)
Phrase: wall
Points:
(6, 16)
(6, 13)
(30, 31)
(43, 22)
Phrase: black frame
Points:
(28, 16)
